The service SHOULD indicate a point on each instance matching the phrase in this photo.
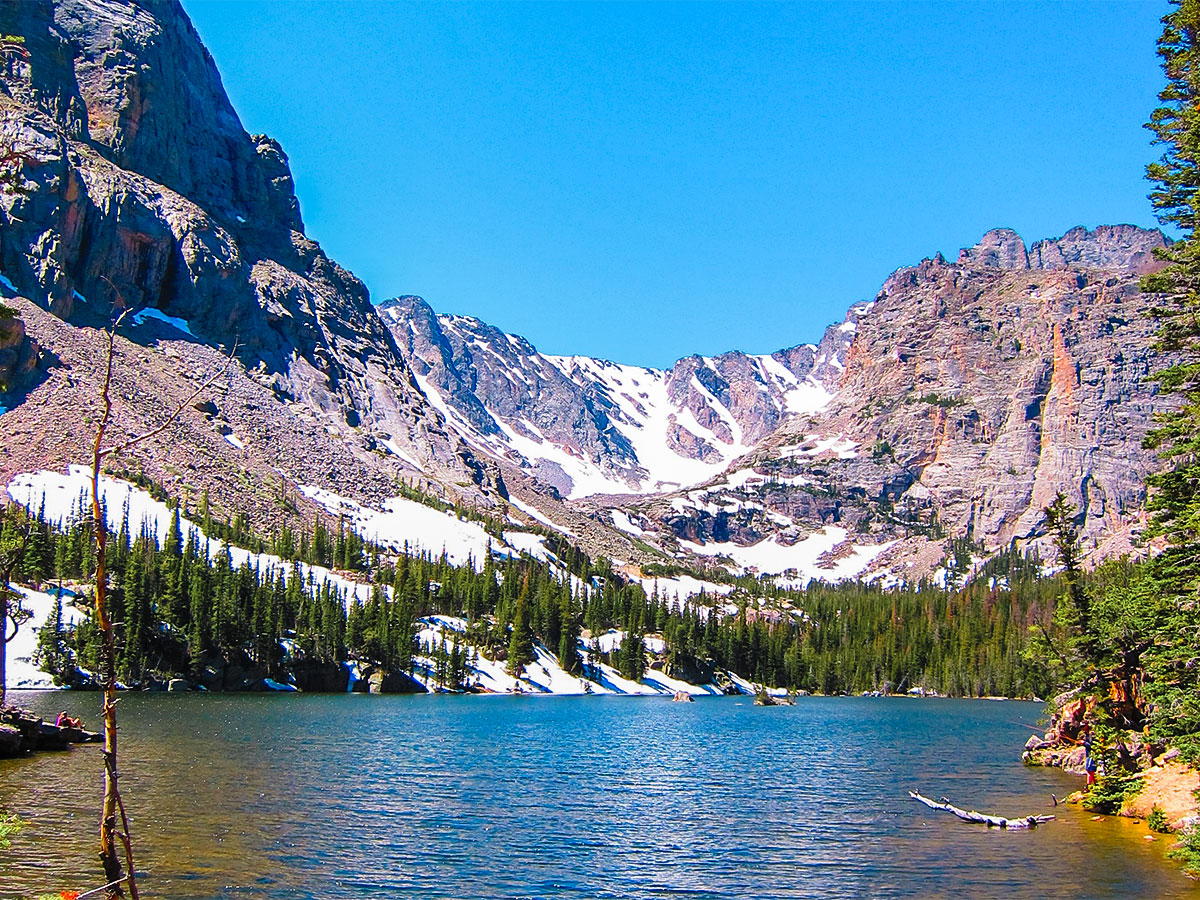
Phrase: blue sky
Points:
(644, 182)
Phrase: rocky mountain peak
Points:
(156, 106)
(140, 191)
(1000, 248)
(1124, 248)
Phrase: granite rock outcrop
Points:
(132, 187)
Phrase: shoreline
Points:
(485, 693)
(1167, 785)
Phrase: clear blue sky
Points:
(645, 182)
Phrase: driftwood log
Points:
(1022, 822)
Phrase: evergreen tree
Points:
(520, 645)
(53, 653)
(1175, 498)
(1076, 611)
(568, 642)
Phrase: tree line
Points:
(180, 603)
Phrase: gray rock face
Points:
(139, 189)
(18, 353)
(1123, 247)
(143, 73)
(1001, 248)
(972, 393)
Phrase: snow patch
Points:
(403, 521)
(544, 675)
(20, 671)
(621, 520)
(771, 557)
(815, 445)
(140, 317)
(64, 495)
(395, 449)
(534, 513)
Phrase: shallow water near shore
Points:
(320, 796)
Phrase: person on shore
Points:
(1089, 761)
(65, 721)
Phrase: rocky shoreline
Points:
(1163, 788)
(23, 732)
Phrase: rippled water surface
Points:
(310, 796)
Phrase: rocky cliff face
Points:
(133, 186)
(972, 393)
(585, 426)
(956, 403)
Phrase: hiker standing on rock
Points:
(1089, 761)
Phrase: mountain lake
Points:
(331, 796)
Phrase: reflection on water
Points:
(590, 797)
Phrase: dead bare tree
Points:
(12, 164)
(113, 805)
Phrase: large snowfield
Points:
(644, 413)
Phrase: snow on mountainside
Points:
(21, 672)
(544, 675)
(587, 426)
(62, 497)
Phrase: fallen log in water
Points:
(980, 818)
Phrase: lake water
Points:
(311, 796)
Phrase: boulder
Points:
(319, 676)
(1072, 761)
(51, 737)
(381, 682)
(178, 684)
(10, 742)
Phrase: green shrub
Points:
(935, 399)
(1110, 792)
(1157, 820)
(9, 825)
(1187, 851)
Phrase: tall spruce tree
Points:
(520, 645)
(1175, 496)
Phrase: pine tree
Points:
(520, 644)
(53, 653)
(1175, 498)
(568, 642)
(1060, 522)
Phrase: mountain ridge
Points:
(951, 404)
